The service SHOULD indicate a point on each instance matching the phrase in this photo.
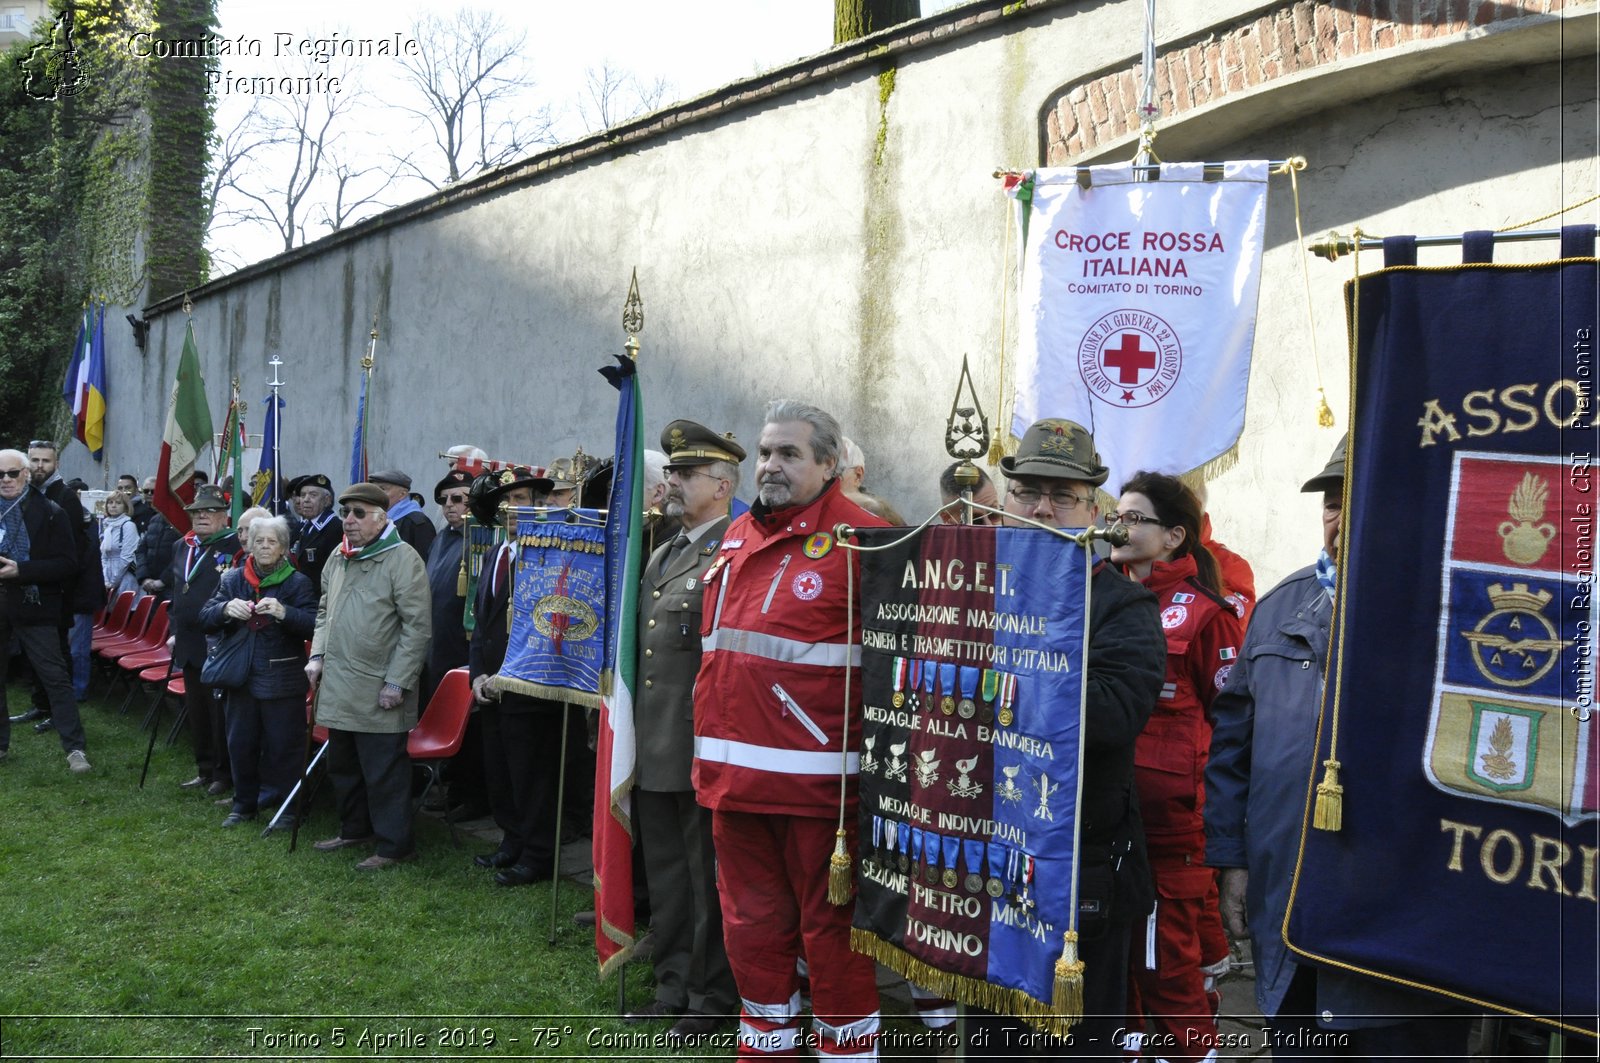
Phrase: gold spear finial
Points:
(633, 316)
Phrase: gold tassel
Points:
(1324, 411)
(1067, 1002)
(839, 877)
(1329, 812)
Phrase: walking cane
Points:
(155, 724)
(561, 800)
(310, 762)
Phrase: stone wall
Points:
(833, 231)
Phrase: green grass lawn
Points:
(132, 925)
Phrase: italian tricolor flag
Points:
(188, 429)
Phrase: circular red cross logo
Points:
(1130, 358)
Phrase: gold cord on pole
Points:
(1292, 167)
(997, 449)
(1547, 217)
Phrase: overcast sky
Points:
(694, 45)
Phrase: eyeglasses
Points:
(690, 473)
(358, 512)
(1060, 497)
(12, 474)
(454, 499)
(1131, 519)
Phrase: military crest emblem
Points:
(1515, 656)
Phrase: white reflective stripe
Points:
(1150, 939)
(850, 1031)
(1169, 691)
(782, 650)
(783, 1039)
(938, 1018)
(767, 758)
(772, 1012)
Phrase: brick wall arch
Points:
(1290, 39)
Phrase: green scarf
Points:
(388, 540)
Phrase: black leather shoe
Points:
(694, 1026)
(498, 858)
(30, 716)
(44, 726)
(520, 875)
(656, 1009)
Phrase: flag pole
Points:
(366, 409)
(274, 412)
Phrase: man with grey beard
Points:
(693, 982)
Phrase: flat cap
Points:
(369, 493)
(688, 443)
(390, 476)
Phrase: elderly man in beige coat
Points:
(373, 628)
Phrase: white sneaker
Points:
(77, 762)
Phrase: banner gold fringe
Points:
(1221, 463)
(541, 690)
(627, 941)
(840, 879)
(1000, 999)
(1329, 812)
(577, 546)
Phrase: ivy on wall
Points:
(87, 209)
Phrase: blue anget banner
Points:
(556, 647)
(972, 644)
(1464, 723)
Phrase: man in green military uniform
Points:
(693, 981)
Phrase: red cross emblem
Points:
(1130, 358)
(807, 585)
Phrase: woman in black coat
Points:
(266, 718)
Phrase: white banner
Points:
(1138, 309)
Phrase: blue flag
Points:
(358, 439)
(93, 396)
(265, 490)
(72, 386)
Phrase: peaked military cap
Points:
(687, 443)
(1056, 448)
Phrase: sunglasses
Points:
(358, 512)
(456, 499)
(12, 474)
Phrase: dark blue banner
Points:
(972, 641)
(1465, 862)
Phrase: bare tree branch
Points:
(469, 80)
(611, 96)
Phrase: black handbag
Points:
(228, 659)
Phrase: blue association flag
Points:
(358, 438)
(264, 487)
(93, 395)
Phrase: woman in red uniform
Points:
(1165, 552)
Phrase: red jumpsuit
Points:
(1203, 636)
(769, 736)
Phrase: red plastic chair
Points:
(437, 736)
(108, 621)
(138, 619)
(154, 638)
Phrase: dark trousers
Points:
(207, 729)
(522, 765)
(1104, 952)
(266, 745)
(690, 961)
(41, 645)
(1296, 1033)
(371, 776)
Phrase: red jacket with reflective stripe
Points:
(769, 713)
(1203, 637)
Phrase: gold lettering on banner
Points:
(1562, 404)
(1503, 855)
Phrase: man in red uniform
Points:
(771, 735)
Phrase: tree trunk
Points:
(857, 18)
